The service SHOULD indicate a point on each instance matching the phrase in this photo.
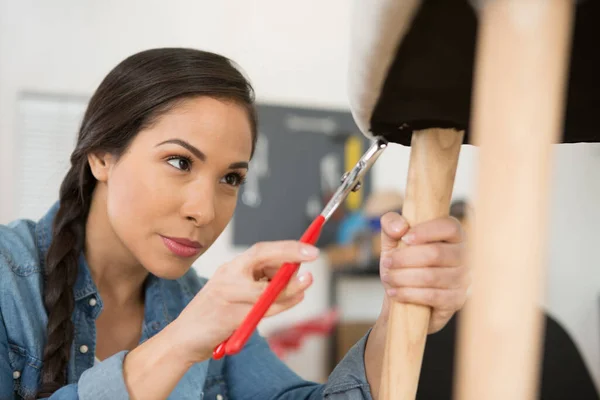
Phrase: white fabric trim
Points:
(377, 29)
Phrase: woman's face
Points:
(174, 190)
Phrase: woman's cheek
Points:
(136, 195)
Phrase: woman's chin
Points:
(171, 274)
(170, 270)
(166, 265)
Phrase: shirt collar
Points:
(164, 299)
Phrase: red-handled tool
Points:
(350, 182)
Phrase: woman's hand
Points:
(430, 270)
(152, 370)
(222, 304)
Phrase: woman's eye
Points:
(182, 163)
(233, 179)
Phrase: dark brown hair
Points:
(133, 95)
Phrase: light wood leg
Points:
(432, 168)
(522, 60)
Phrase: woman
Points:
(98, 298)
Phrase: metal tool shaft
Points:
(353, 177)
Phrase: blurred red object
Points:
(286, 340)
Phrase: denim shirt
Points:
(254, 373)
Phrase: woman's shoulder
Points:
(21, 302)
(19, 253)
(21, 272)
(23, 244)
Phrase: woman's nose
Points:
(199, 206)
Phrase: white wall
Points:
(295, 53)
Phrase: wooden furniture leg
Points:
(520, 78)
(431, 172)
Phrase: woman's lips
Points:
(182, 247)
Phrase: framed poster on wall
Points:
(300, 158)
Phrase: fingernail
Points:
(397, 226)
(392, 292)
(386, 262)
(385, 278)
(302, 278)
(309, 251)
(409, 238)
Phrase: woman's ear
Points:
(100, 164)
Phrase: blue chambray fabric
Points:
(254, 373)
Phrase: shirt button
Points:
(93, 302)
(83, 349)
(16, 375)
(219, 397)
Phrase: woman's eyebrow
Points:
(239, 164)
(195, 151)
(199, 154)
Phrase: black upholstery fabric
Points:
(430, 81)
(563, 374)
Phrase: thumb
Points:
(393, 227)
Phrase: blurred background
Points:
(54, 54)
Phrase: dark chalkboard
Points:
(300, 158)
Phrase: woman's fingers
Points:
(238, 285)
(443, 302)
(274, 254)
(297, 285)
(393, 227)
(446, 229)
(429, 269)
(424, 255)
(436, 277)
(250, 292)
(439, 299)
(282, 306)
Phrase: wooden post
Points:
(431, 172)
(521, 69)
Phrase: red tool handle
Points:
(239, 338)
